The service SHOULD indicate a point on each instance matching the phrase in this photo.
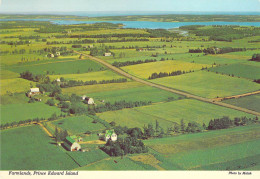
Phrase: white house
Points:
(33, 91)
(107, 54)
(50, 55)
(90, 100)
(71, 145)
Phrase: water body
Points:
(142, 24)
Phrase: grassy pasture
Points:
(146, 69)
(98, 76)
(169, 113)
(250, 71)
(18, 112)
(15, 85)
(76, 125)
(201, 150)
(209, 85)
(29, 148)
(249, 102)
(5, 74)
(84, 90)
(16, 98)
(145, 93)
(68, 67)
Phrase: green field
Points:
(11, 85)
(209, 85)
(200, 151)
(170, 112)
(29, 148)
(146, 69)
(72, 66)
(19, 112)
(76, 125)
(145, 93)
(249, 102)
(247, 70)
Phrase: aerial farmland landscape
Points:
(130, 91)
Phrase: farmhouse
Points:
(71, 145)
(50, 55)
(33, 91)
(110, 134)
(88, 99)
(107, 54)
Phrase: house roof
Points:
(69, 140)
(109, 132)
(35, 90)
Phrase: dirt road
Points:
(121, 72)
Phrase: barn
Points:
(71, 145)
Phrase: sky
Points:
(16, 6)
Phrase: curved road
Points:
(121, 72)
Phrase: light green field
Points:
(244, 70)
(146, 69)
(84, 90)
(209, 85)
(29, 148)
(67, 67)
(249, 102)
(19, 112)
(76, 125)
(145, 93)
(199, 151)
(15, 85)
(170, 112)
(98, 76)
(16, 98)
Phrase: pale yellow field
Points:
(16, 85)
(81, 90)
(98, 76)
(146, 69)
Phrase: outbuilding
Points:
(71, 145)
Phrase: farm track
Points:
(121, 72)
(237, 96)
(46, 130)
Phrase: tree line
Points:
(128, 63)
(165, 74)
(216, 50)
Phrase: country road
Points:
(121, 72)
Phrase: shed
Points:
(71, 145)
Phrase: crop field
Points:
(84, 90)
(190, 151)
(240, 70)
(209, 85)
(29, 148)
(76, 125)
(145, 70)
(249, 102)
(16, 98)
(117, 164)
(19, 112)
(11, 85)
(88, 157)
(68, 67)
(98, 76)
(145, 93)
(172, 113)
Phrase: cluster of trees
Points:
(225, 122)
(155, 33)
(165, 74)
(215, 50)
(127, 63)
(120, 40)
(72, 83)
(121, 147)
(60, 135)
(256, 57)
(36, 78)
(118, 105)
(52, 88)
(100, 51)
(110, 35)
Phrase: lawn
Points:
(80, 124)
(170, 112)
(249, 102)
(209, 85)
(244, 70)
(29, 148)
(19, 112)
(145, 93)
(85, 90)
(59, 67)
(146, 69)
